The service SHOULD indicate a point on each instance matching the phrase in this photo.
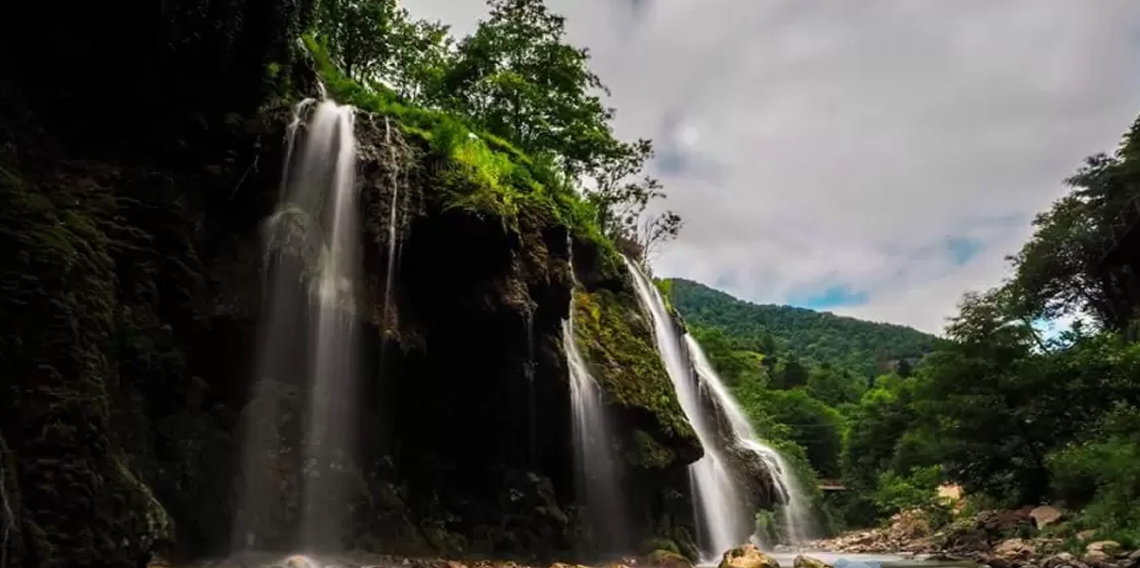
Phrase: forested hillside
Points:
(864, 347)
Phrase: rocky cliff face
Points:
(131, 262)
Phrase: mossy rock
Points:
(655, 543)
(667, 559)
(802, 561)
(647, 452)
(618, 346)
(747, 556)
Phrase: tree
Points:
(358, 34)
(517, 78)
(378, 41)
(813, 425)
(833, 386)
(1058, 272)
(876, 425)
(792, 374)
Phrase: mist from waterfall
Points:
(308, 349)
(797, 522)
(596, 465)
(722, 520)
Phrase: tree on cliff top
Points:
(378, 41)
(515, 77)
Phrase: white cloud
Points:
(835, 141)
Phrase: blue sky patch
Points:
(833, 297)
(963, 249)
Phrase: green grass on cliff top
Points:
(486, 174)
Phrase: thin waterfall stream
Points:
(393, 217)
(596, 465)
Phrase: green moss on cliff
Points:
(618, 346)
(647, 452)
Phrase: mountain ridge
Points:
(815, 336)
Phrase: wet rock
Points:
(667, 559)
(747, 556)
(802, 561)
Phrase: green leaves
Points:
(516, 79)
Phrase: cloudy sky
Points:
(874, 158)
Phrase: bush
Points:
(916, 490)
(1101, 474)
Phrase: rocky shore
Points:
(745, 556)
(1023, 538)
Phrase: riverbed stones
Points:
(747, 556)
(801, 561)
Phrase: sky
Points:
(873, 158)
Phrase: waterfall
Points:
(328, 443)
(797, 515)
(597, 467)
(309, 339)
(722, 522)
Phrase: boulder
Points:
(802, 561)
(1014, 550)
(1101, 551)
(668, 559)
(747, 556)
(1086, 535)
(1045, 516)
(1106, 546)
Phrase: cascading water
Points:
(328, 442)
(597, 468)
(722, 521)
(309, 338)
(797, 517)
